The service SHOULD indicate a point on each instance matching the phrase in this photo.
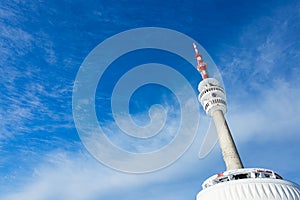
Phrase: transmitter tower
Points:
(236, 182)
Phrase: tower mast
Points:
(213, 99)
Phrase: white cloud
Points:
(69, 175)
(76, 176)
(272, 113)
(16, 39)
(23, 91)
(266, 49)
(263, 79)
(26, 98)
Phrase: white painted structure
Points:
(249, 184)
(252, 189)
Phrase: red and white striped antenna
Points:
(201, 66)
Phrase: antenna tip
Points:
(194, 44)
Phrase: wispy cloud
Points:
(273, 113)
(262, 75)
(25, 96)
(32, 101)
(267, 48)
(76, 176)
(73, 175)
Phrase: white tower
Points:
(235, 182)
(213, 99)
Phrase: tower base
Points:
(238, 184)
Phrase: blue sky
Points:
(255, 45)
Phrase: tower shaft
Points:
(229, 151)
